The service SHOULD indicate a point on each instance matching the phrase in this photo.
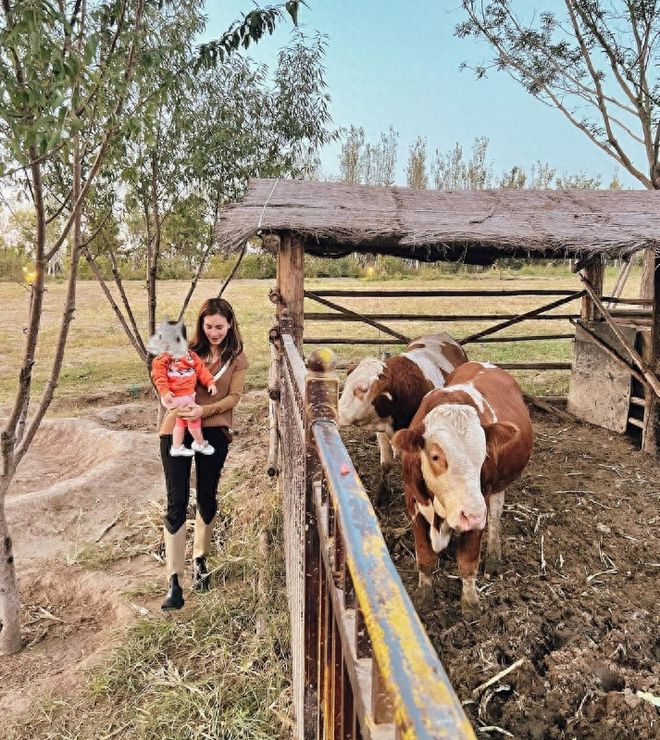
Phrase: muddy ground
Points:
(585, 621)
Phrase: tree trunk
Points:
(10, 604)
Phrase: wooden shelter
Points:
(477, 227)
(359, 651)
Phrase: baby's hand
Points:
(212, 389)
(166, 399)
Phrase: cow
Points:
(383, 396)
(466, 444)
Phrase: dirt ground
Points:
(85, 512)
(586, 624)
(578, 599)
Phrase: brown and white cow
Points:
(383, 396)
(467, 442)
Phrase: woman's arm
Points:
(232, 398)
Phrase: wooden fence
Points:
(641, 316)
(363, 666)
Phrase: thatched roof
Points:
(475, 226)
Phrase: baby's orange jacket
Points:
(180, 375)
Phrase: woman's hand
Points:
(194, 411)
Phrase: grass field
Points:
(100, 358)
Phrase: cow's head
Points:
(452, 446)
(357, 404)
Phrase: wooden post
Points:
(291, 283)
(321, 402)
(651, 355)
(594, 271)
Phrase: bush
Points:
(12, 261)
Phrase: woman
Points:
(218, 342)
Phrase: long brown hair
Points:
(232, 344)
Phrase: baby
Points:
(175, 372)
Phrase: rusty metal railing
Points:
(363, 666)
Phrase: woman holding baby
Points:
(220, 382)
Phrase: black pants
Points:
(177, 477)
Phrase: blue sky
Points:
(396, 63)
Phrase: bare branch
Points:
(112, 302)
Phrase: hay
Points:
(475, 226)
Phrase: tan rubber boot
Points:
(175, 555)
(201, 547)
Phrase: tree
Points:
(416, 172)
(350, 156)
(230, 123)
(361, 162)
(451, 172)
(66, 84)
(597, 63)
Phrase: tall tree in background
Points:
(67, 73)
(596, 62)
(452, 171)
(363, 163)
(416, 172)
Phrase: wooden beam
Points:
(348, 315)
(291, 283)
(522, 317)
(594, 272)
(373, 317)
(464, 293)
(651, 352)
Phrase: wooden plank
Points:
(349, 340)
(651, 351)
(627, 301)
(373, 317)
(349, 315)
(290, 283)
(349, 293)
(525, 338)
(522, 317)
(594, 272)
(535, 365)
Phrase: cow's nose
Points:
(469, 521)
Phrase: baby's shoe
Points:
(205, 448)
(181, 451)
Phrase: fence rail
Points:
(363, 665)
(391, 336)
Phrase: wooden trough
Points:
(362, 664)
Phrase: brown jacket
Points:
(217, 410)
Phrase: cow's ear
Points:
(360, 390)
(409, 440)
(499, 435)
(350, 367)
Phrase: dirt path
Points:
(586, 622)
(87, 496)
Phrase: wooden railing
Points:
(390, 336)
(363, 666)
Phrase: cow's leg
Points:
(386, 462)
(467, 553)
(426, 562)
(494, 543)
